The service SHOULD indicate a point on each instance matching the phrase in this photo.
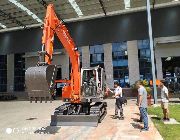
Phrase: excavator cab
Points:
(92, 84)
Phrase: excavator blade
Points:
(40, 82)
(61, 117)
(74, 120)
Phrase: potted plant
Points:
(134, 91)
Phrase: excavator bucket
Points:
(40, 82)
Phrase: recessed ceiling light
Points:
(175, 0)
(127, 4)
(2, 25)
(76, 7)
(168, 58)
(22, 7)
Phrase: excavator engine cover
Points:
(40, 82)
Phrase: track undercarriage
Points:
(83, 114)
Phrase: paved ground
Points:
(20, 120)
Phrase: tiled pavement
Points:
(20, 115)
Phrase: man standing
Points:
(118, 104)
(164, 100)
(142, 104)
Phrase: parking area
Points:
(30, 121)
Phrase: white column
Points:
(159, 68)
(148, 7)
(133, 62)
(65, 66)
(85, 56)
(31, 60)
(10, 72)
(62, 60)
(108, 64)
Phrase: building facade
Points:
(119, 43)
(125, 62)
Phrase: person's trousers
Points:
(118, 107)
(143, 113)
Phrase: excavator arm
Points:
(52, 26)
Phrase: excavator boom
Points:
(52, 26)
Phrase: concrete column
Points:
(10, 73)
(133, 62)
(62, 60)
(31, 61)
(85, 56)
(65, 66)
(108, 64)
(159, 68)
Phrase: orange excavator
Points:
(85, 91)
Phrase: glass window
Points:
(143, 44)
(148, 53)
(120, 63)
(3, 73)
(144, 59)
(93, 58)
(19, 72)
(97, 55)
(80, 55)
(99, 58)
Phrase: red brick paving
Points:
(111, 129)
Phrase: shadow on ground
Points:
(174, 101)
(135, 119)
(137, 114)
(136, 125)
(156, 118)
(47, 130)
(134, 100)
(29, 119)
(112, 116)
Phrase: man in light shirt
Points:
(118, 105)
(142, 104)
(164, 100)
